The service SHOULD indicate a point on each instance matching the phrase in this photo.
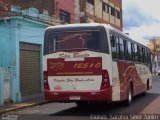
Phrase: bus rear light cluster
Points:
(105, 80)
(46, 86)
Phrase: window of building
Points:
(105, 7)
(118, 15)
(111, 11)
(91, 1)
(64, 16)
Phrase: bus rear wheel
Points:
(129, 96)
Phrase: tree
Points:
(154, 52)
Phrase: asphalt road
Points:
(149, 104)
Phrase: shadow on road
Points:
(138, 105)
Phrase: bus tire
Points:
(146, 90)
(129, 96)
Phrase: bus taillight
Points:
(105, 80)
(46, 86)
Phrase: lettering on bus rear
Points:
(74, 55)
(60, 67)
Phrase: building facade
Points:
(102, 11)
(21, 52)
(60, 9)
(154, 46)
(22, 27)
(64, 9)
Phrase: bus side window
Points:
(129, 51)
(139, 53)
(117, 46)
(145, 54)
(125, 49)
(113, 40)
(121, 48)
(132, 52)
(135, 53)
(113, 46)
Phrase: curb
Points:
(22, 107)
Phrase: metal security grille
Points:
(29, 69)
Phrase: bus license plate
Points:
(74, 98)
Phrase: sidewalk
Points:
(28, 103)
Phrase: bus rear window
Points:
(57, 41)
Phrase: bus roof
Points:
(107, 26)
(77, 25)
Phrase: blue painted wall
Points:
(12, 32)
(5, 55)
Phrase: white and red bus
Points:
(93, 62)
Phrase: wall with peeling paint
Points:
(12, 31)
(6, 48)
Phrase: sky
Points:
(141, 19)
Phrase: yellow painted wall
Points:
(98, 8)
(150, 45)
(89, 8)
(96, 13)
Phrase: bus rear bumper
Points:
(102, 95)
